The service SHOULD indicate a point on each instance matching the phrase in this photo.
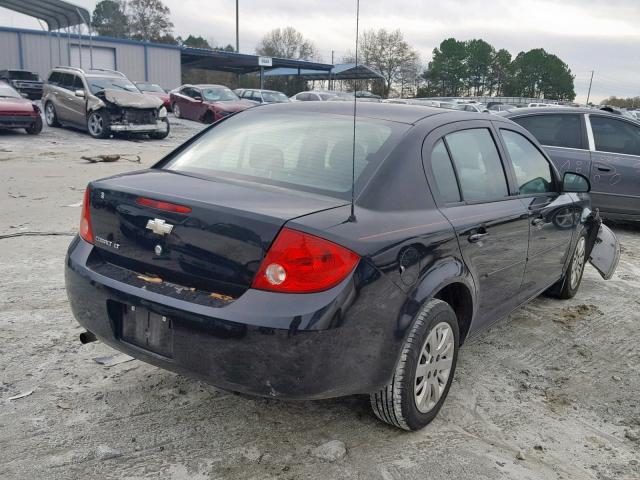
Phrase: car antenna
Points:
(352, 217)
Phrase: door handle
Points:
(603, 169)
(537, 222)
(479, 235)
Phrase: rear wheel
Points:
(98, 125)
(50, 115)
(36, 126)
(176, 110)
(425, 371)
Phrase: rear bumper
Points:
(339, 342)
(156, 127)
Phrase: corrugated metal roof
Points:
(342, 71)
(241, 62)
(55, 13)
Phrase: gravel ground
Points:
(549, 392)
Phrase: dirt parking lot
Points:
(550, 392)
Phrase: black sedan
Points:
(241, 260)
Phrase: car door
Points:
(64, 98)
(615, 165)
(491, 223)
(185, 102)
(552, 214)
(187, 105)
(563, 137)
(77, 105)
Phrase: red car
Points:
(155, 90)
(18, 112)
(206, 103)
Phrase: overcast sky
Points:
(603, 35)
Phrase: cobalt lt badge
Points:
(158, 250)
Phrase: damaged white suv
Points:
(103, 102)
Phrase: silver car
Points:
(603, 146)
(102, 102)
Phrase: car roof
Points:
(517, 112)
(208, 85)
(401, 113)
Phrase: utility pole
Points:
(330, 81)
(590, 83)
(237, 27)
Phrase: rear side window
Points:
(294, 150)
(444, 174)
(66, 81)
(616, 136)
(54, 78)
(77, 83)
(477, 162)
(532, 170)
(564, 130)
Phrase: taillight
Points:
(298, 262)
(160, 205)
(86, 231)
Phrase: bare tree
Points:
(389, 54)
(287, 43)
(150, 21)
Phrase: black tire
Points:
(568, 285)
(175, 108)
(36, 127)
(98, 124)
(395, 404)
(208, 117)
(161, 135)
(50, 115)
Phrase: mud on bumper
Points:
(294, 348)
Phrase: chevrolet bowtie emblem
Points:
(159, 226)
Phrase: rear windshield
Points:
(20, 75)
(302, 151)
(150, 87)
(275, 97)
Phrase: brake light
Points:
(159, 205)
(86, 232)
(298, 262)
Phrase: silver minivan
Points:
(102, 102)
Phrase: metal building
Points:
(39, 51)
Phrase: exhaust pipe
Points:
(87, 337)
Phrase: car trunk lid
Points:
(217, 246)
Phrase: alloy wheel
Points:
(434, 367)
(577, 264)
(96, 125)
(49, 114)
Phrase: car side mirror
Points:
(197, 99)
(79, 93)
(575, 183)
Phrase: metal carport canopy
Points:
(55, 13)
(343, 71)
(240, 62)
